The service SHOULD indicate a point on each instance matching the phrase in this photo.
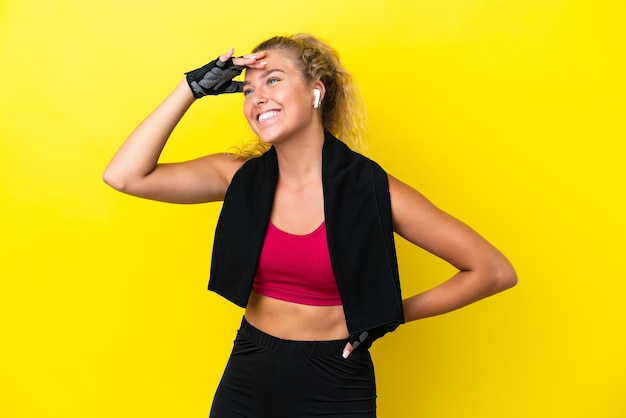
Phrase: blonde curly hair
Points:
(343, 108)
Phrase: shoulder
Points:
(406, 201)
(256, 167)
(419, 221)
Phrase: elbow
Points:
(113, 180)
(504, 277)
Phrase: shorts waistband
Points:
(290, 347)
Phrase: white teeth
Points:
(267, 115)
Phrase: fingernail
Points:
(263, 63)
(345, 353)
(252, 57)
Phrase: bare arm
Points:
(483, 270)
(135, 170)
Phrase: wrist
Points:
(185, 91)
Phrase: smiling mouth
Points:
(268, 115)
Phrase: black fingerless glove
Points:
(365, 339)
(215, 78)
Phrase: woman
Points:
(305, 238)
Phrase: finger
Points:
(258, 55)
(253, 60)
(257, 65)
(227, 55)
(250, 62)
(347, 350)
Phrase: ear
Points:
(316, 97)
(318, 93)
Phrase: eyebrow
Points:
(264, 74)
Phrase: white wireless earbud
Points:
(316, 94)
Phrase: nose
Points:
(259, 99)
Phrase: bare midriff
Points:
(295, 321)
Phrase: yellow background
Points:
(508, 114)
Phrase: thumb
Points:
(347, 350)
(225, 57)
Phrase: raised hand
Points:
(217, 76)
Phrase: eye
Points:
(272, 80)
(248, 92)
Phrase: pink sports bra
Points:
(297, 268)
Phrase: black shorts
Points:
(268, 377)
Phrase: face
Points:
(278, 102)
